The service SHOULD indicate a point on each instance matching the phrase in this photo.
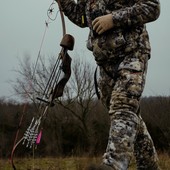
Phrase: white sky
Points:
(22, 25)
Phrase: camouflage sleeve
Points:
(143, 11)
(74, 11)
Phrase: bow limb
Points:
(12, 153)
(62, 17)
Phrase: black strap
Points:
(108, 73)
(95, 80)
(96, 84)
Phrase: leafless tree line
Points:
(78, 123)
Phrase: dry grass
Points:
(71, 163)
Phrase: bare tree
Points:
(31, 81)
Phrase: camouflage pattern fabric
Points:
(122, 54)
(121, 94)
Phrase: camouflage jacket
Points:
(129, 19)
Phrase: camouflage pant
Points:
(121, 85)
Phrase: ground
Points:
(70, 163)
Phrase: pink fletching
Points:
(39, 137)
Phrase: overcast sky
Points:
(22, 25)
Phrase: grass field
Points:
(71, 163)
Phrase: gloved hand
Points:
(102, 23)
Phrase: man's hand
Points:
(102, 23)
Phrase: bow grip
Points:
(67, 42)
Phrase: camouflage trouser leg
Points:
(123, 90)
(121, 140)
(144, 150)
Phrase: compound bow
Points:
(54, 89)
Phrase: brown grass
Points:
(71, 163)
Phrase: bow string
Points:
(54, 87)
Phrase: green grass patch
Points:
(70, 163)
